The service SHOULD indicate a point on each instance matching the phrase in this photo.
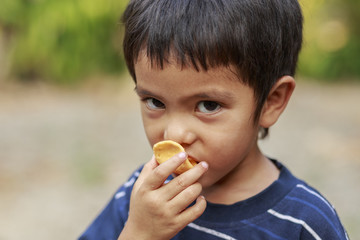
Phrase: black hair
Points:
(260, 38)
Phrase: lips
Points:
(192, 160)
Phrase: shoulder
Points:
(121, 198)
(109, 223)
(126, 188)
(308, 210)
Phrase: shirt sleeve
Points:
(110, 222)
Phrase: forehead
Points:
(146, 67)
(176, 81)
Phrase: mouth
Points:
(192, 161)
(164, 150)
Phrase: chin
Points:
(206, 182)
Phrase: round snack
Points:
(166, 149)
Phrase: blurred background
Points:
(71, 133)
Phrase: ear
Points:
(276, 101)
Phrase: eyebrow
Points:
(142, 92)
(215, 94)
(212, 94)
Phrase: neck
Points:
(250, 177)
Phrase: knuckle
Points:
(159, 172)
(140, 191)
(181, 181)
(173, 226)
(147, 165)
(152, 202)
(137, 185)
(198, 186)
(193, 191)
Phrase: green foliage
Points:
(63, 40)
(332, 40)
(66, 41)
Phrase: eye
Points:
(208, 107)
(153, 103)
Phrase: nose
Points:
(179, 130)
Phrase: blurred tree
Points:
(332, 39)
(62, 40)
(67, 40)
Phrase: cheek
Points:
(230, 145)
(226, 151)
(154, 128)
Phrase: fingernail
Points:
(205, 165)
(182, 155)
(201, 197)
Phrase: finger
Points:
(182, 181)
(185, 198)
(148, 167)
(145, 172)
(159, 174)
(193, 212)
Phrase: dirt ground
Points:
(64, 153)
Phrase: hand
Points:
(158, 210)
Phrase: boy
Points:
(214, 75)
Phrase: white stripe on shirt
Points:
(120, 195)
(129, 183)
(317, 195)
(211, 231)
(295, 220)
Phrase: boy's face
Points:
(209, 113)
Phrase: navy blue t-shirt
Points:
(287, 209)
